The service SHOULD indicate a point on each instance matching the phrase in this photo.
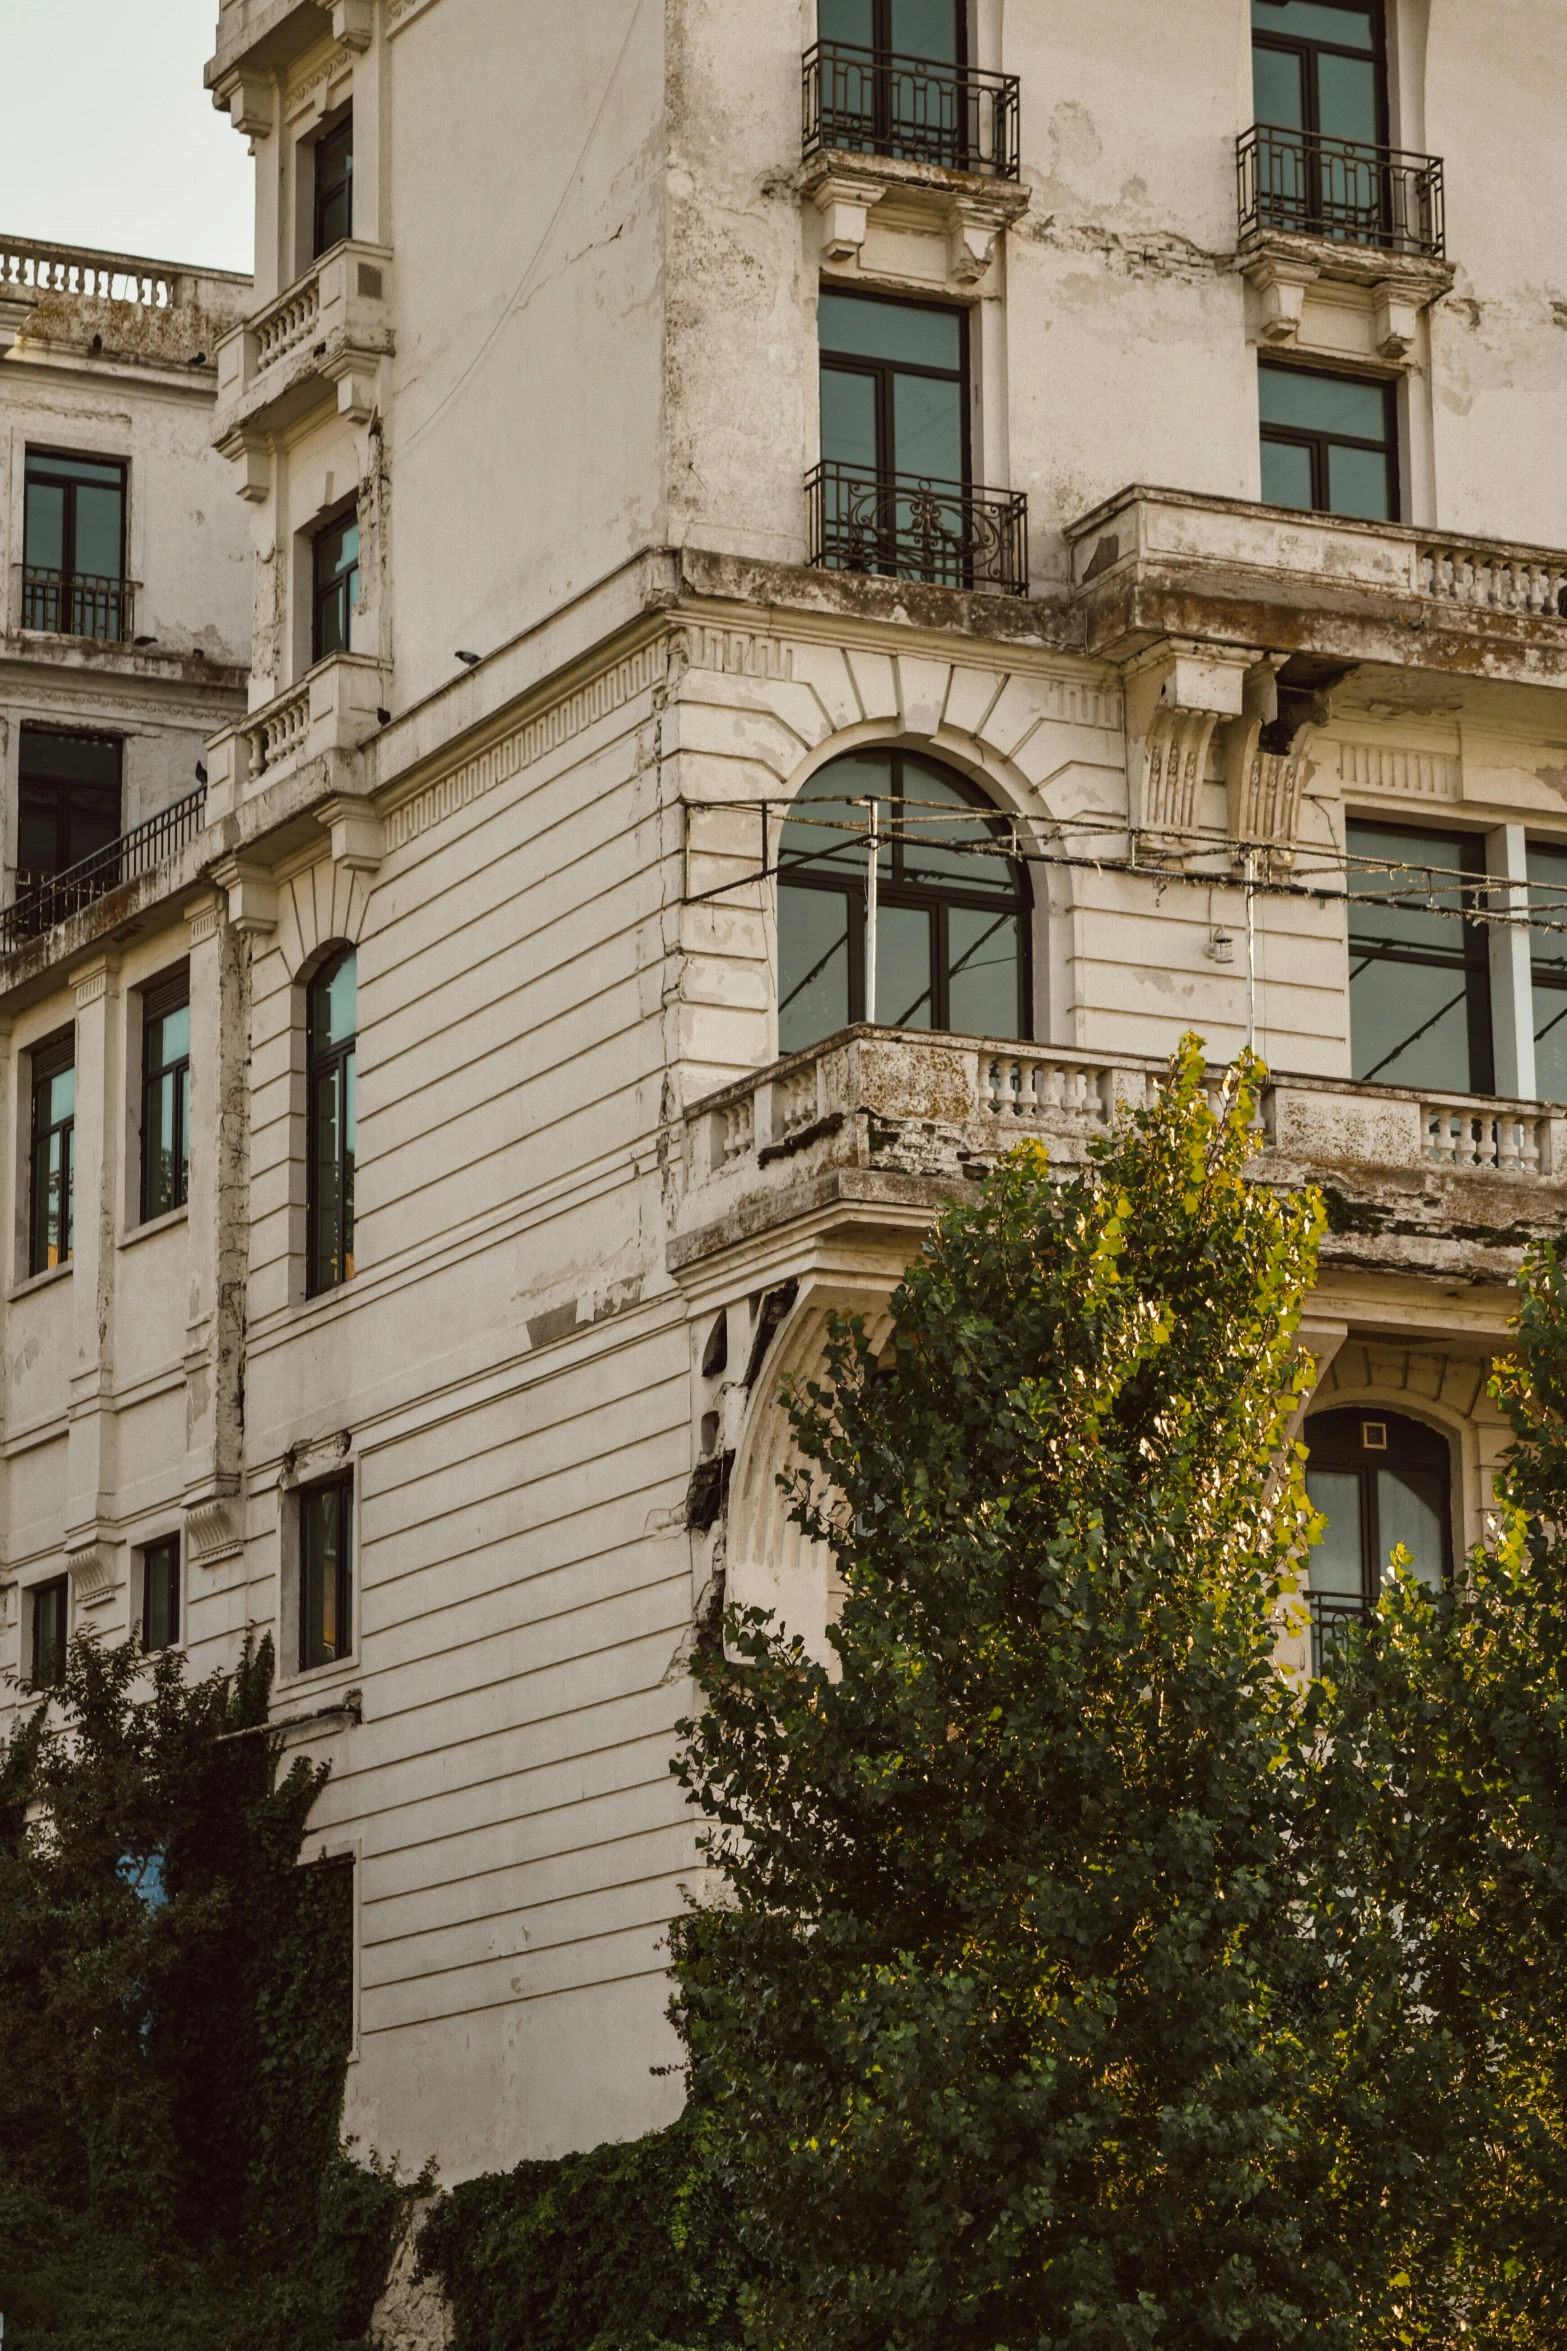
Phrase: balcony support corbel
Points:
(975, 224)
(1176, 694)
(1280, 283)
(844, 200)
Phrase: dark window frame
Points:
(63, 791)
(881, 36)
(1319, 444)
(336, 1063)
(310, 1496)
(1548, 950)
(882, 371)
(341, 591)
(35, 468)
(1310, 48)
(50, 1059)
(1472, 958)
(1341, 1446)
(166, 1552)
(935, 898)
(47, 1666)
(339, 136)
(165, 996)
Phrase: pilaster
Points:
(219, 1200)
(91, 1544)
(1512, 982)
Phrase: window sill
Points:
(154, 1224)
(41, 1281)
(330, 1686)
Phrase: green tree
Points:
(1006, 2017)
(175, 2012)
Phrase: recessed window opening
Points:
(51, 1626)
(1319, 66)
(334, 186)
(160, 1613)
(331, 1043)
(334, 561)
(1329, 443)
(68, 801)
(1547, 871)
(53, 1190)
(1380, 1479)
(891, 80)
(1419, 974)
(326, 1524)
(165, 1097)
(952, 907)
(73, 546)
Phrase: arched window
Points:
(952, 907)
(331, 1021)
(1379, 1479)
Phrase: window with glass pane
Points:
(331, 1023)
(68, 800)
(895, 455)
(1547, 868)
(165, 1097)
(334, 192)
(73, 545)
(53, 1154)
(875, 97)
(326, 1516)
(51, 1627)
(335, 561)
(1319, 67)
(1419, 971)
(1329, 443)
(952, 907)
(1381, 1480)
(160, 1610)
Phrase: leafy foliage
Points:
(625, 2248)
(1007, 2022)
(174, 2023)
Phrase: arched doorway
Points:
(952, 914)
(1379, 1478)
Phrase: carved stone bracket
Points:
(358, 834)
(213, 1529)
(1281, 269)
(844, 201)
(90, 1563)
(1176, 694)
(974, 224)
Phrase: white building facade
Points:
(1112, 450)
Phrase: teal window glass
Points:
(1328, 443)
(1419, 974)
(52, 1206)
(331, 1052)
(1547, 871)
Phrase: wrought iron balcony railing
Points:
(909, 528)
(52, 900)
(1311, 186)
(872, 103)
(1332, 1614)
(78, 604)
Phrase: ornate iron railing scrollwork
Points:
(911, 527)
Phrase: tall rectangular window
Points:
(68, 801)
(334, 188)
(51, 1626)
(165, 1097)
(1318, 66)
(53, 1154)
(326, 1533)
(1419, 971)
(894, 386)
(334, 586)
(1547, 869)
(331, 1024)
(1329, 443)
(73, 548)
(160, 1588)
(892, 82)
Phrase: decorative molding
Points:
(403, 12)
(90, 981)
(327, 69)
(845, 201)
(733, 653)
(213, 1530)
(358, 835)
(1176, 694)
(252, 894)
(1076, 702)
(1392, 768)
(89, 1562)
(202, 924)
(611, 690)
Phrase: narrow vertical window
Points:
(335, 587)
(331, 1023)
(54, 1154)
(334, 206)
(326, 1533)
(1380, 1479)
(68, 801)
(165, 1098)
(1548, 955)
(73, 546)
(51, 1604)
(1419, 974)
(160, 1610)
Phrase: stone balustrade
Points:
(322, 338)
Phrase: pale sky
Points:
(107, 137)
